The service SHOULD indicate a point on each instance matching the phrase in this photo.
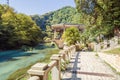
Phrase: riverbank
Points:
(13, 60)
(21, 73)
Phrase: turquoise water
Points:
(10, 61)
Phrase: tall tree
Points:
(105, 14)
(17, 29)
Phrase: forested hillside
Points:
(102, 16)
(64, 15)
(17, 29)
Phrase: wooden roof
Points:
(64, 26)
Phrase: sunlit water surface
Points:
(10, 61)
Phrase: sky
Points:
(32, 7)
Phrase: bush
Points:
(71, 35)
(119, 41)
(90, 46)
(79, 47)
(46, 39)
(26, 48)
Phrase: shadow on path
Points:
(73, 71)
(74, 68)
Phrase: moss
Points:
(22, 72)
(49, 76)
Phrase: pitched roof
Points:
(62, 26)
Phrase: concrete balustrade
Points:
(111, 43)
(40, 71)
(103, 45)
(34, 78)
(116, 40)
(113, 60)
(97, 47)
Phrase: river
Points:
(12, 60)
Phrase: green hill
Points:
(64, 15)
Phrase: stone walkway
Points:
(87, 66)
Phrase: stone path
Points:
(87, 66)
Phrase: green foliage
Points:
(64, 15)
(49, 32)
(26, 48)
(17, 29)
(71, 35)
(114, 51)
(102, 16)
(46, 39)
(49, 76)
(79, 47)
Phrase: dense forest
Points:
(66, 14)
(17, 29)
(101, 16)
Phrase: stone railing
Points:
(52, 70)
(103, 45)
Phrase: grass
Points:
(49, 76)
(23, 71)
(113, 51)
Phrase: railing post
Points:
(70, 53)
(116, 40)
(105, 44)
(56, 71)
(34, 78)
(67, 57)
(38, 70)
(62, 54)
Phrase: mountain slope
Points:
(64, 15)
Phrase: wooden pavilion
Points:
(58, 30)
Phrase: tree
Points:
(17, 29)
(71, 35)
(64, 15)
(105, 14)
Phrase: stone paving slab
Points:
(87, 66)
(113, 60)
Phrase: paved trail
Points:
(87, 66)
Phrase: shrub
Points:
(79, 47)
